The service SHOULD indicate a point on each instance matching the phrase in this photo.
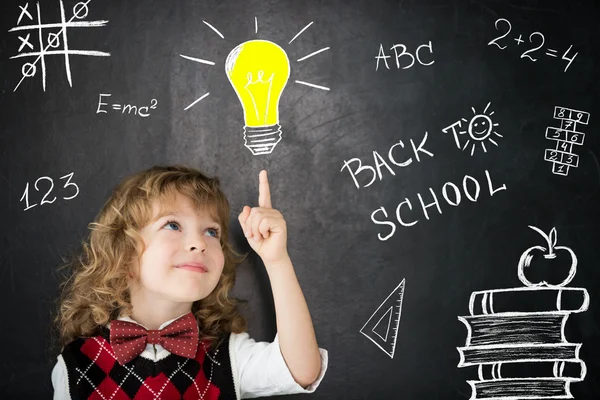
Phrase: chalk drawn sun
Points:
(480, 129)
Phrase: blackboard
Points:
(489, 107)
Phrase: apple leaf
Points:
(550, 239)
(553, 237)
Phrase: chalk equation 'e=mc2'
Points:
(126, 108)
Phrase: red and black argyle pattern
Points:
(94, 373)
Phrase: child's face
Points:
(183, 259)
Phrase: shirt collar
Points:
(128, 319)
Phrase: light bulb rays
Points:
(300, 33)
(306, 57)
(313, 54)
(198, 60)
(201, 61)
(214, 29)
(258, 71)
(312, 85)
(196, 101)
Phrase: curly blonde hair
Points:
(97, 289)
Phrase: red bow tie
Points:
(129, 339)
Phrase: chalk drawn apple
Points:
(531, 255)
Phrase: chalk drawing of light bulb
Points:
(258, 70)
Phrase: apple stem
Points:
(550, 239)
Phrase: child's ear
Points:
(133, 269)
(131, 275)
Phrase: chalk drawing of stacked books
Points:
(516, 336)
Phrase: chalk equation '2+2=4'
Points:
(54, 43)
(536, 39)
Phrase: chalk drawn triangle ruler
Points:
(382, 327)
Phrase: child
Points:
(146, 313)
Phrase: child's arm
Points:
(296, 334)
(266, 232)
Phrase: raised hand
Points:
(264, 226)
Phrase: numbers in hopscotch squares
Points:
(565, 136)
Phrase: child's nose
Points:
(196, 243)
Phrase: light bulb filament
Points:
(255, 87)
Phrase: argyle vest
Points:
(94, 373)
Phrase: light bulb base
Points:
(262, 139)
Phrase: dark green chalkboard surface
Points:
(436, 162)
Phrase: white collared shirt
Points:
(258, 367)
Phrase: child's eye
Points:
(215, 231)
(174, 225)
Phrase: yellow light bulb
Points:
(258, 71)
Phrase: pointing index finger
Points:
(264, 193)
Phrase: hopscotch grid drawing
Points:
(562, 156)
(29, 69)
(513, 330)
(388, 313)
(211, 63)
